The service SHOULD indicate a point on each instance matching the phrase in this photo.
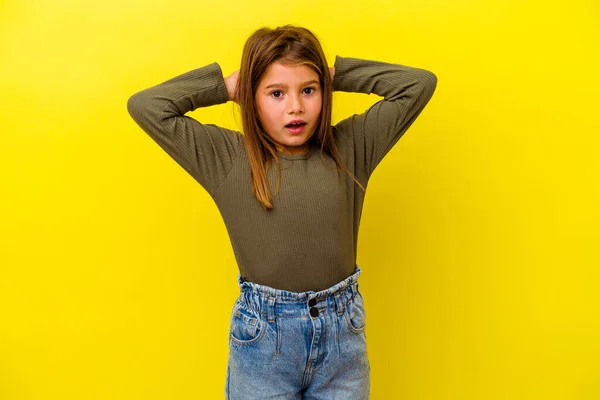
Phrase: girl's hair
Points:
(288, 45)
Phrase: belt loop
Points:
(339, 304)
(260, 299)
(271, 310)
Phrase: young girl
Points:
(297, 329)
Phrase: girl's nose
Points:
(295, 104)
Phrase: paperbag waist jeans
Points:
(291, 345)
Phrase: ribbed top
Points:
(308, 241)
(302, 156)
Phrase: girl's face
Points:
(285, 94)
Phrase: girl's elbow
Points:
(429, 81)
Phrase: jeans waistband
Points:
(271, 301)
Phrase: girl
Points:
(297, 329)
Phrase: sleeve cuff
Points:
(222, 95)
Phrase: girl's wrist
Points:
(229, 88)
(231, 84)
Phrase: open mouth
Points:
(295, 125)
(296, 129)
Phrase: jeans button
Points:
(312, 302)
(314, 312)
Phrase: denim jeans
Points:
(290, 345)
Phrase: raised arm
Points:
(405, 91)
(205, 151)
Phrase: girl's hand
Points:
(332, 71)
(231, 83)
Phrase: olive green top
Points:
(308, 241)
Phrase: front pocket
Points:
(246, 326)
(355, 314)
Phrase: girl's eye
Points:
(277, 93)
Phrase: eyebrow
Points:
(282, 85)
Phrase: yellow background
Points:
(480, 229)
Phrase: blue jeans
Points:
(289, 345)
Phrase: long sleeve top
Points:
(308, 241)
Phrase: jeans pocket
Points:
(247, 326)
(355, 314)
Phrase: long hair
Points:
(289, 45)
